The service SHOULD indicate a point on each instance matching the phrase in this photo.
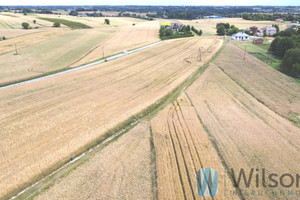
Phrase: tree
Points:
(245, 16)
(188, 27)
(4, 38)
(291, 61)
(107, 21)
(281, 44)
(25, 25)
(56, 24)
(73, 13)
(200, 32)
(26, 10)
(221, 30)
(276, 26)
(34, 21)
(169, 32)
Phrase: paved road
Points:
(84, 66)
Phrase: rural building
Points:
(269, 31)
(294, 26)
(253, 30)
(279, 20)
(260, 33)
(176, 26)
(258, 41)
(213, 17)
(240, 36)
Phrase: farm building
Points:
(270, 31)
(240, 36)
(253, 30)
(258, 41)
(279, 20)
(294, 26)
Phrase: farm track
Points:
(82, 104)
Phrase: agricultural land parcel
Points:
(52, 128)
(46, 50)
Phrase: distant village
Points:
(263, 32)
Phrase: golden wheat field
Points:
(126, 38)
(35, 52)
(121, 171)
(44, 122)
(247, 131)
(182, 148)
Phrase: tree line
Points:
(287, 46)
(166, 32)
(226, 29)
(269, 17)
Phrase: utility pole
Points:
(245, 52)
(102, 51)
(16, 49)
(200, 54)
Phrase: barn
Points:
(258, 41)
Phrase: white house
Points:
(240, 36)
(270, 31)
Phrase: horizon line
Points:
(163, 5)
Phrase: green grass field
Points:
(260, 51)
(71, 24)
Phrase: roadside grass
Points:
(71, 24)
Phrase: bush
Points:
(34, 21)
(3, 38)
(107, 21)
(25, 25)
(56, 24)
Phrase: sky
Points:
(152, 2)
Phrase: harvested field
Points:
(48, 54)
(182, 148)
(246, 132)
(120, 171)
(11, 33)
(277, 91)
(25, 38)
(45, 122)
(208, 26)
(14, 21)
(126, 38)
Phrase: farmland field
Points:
(46, 50)
(49, 54)
(208, 26)
(182, 148)
(111, 174)
(51, 119)
(249, 129)
(140, 35)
